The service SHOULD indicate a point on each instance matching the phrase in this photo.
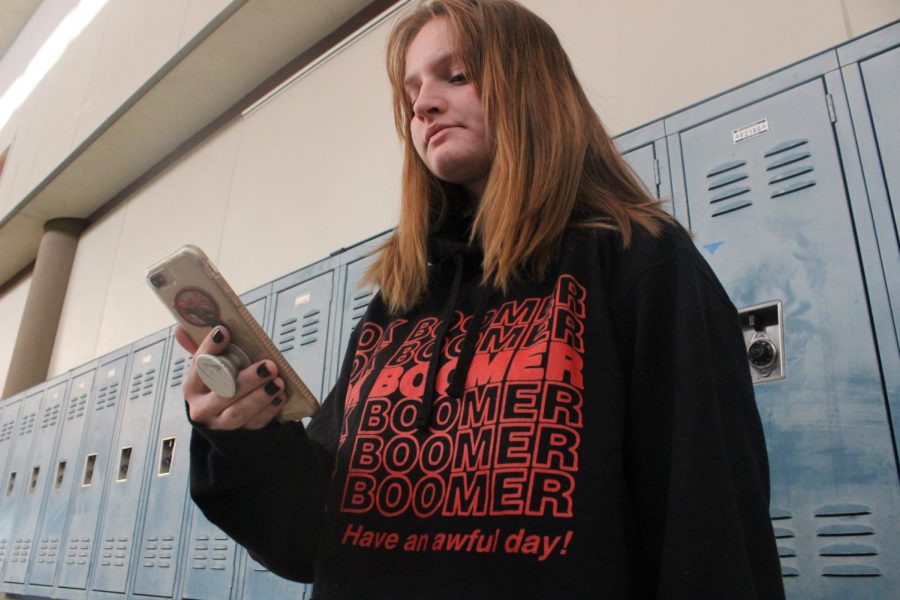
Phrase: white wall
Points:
(317, 168)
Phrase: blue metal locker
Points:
(159, 562)
(211, 554)
(301, 315)
(51, 528)
(125, 478)
(41, 464)
(646, 152)
(765, 191)
(353, 298)
(91, 472)
(18, 475)
(870, 70)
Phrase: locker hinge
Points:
(656, 179)
(829, 100)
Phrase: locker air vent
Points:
(76, 406)
(309, 329)
(178, 372)
(287, 334)
(142, 384)
(784, 534)
(26, 424)
(359, 304)
(6, 431)
(850, 555)
(788, 174)
(730, 194)
(107, 396)
(50, 416)
(158, 552)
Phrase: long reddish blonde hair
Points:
(554, 164)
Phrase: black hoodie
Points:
(591, 435)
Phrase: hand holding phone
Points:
(258, 399)
(202, 301)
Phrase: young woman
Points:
(549, 397)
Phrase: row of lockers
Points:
(95, 463)
(786, 183)
(789, 185)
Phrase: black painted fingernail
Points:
(218, 336)
(262, 371)
(272, 388)
(276, 401)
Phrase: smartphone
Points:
(200, 299)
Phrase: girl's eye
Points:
(460, 78)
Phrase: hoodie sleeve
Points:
(267, 488)
(695, 453)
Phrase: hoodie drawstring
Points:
(424, 416)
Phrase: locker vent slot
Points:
(26, 424)
(178, 372)
(727, 180)
(124, 462)
(89, 464)
(32, 485)
(848, 550)
(783, 533)
(107, 396)
(286, 334)
(790, 174)
(731, 207)
(794, 187)
(788, 160)
(725, 167)
(77, 406)
(50, 416)
(851, 571)
(785, 146)
(842, 529)
(11, 484)
(843, 510)
(142, 384)
(60, 474)
(784, 552)
(738, 191)
(165, 456)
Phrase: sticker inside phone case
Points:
(197, 307)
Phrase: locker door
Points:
(126, 471)
(18, 475)
(355, 301)
(881, 75)
(51, 528)
(211, 553)
(41, 465)
(158, 565)
(301, 324)
(768, 209)
(91, 470)
(301, 321)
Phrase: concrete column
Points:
(37, 330)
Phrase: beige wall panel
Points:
(38, 28)
(12, 305)
(184, 205)
(82, 312)
(139, 38)
(7, 140)
(198, 14)
(866, 15)
(61, 106)
(23, 152)
(318, 169)
(642, 59)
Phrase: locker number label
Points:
(750, 131)
(302, 299)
